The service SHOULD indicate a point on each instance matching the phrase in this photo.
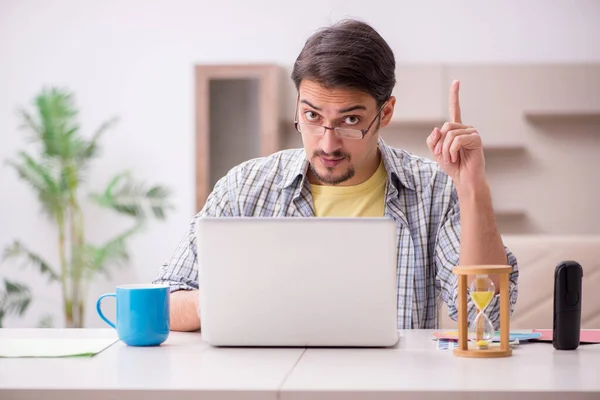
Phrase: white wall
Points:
(134, 59)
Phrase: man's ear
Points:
(387, 112)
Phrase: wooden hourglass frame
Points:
(463, 350)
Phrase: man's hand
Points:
(459, 152)
(184, 311)
(458, 148)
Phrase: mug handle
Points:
(99, 310)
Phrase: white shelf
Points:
(504, 148)
(428, 123)
(590, 116)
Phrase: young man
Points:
(443, 209)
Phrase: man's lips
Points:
(330, 162)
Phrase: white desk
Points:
(188, 368)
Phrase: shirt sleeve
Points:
(447, 253)
(180, 272)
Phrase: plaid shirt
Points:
(419, 197)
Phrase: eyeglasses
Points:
(346, 133)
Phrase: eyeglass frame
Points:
(333, 128)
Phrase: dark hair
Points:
(349, 54)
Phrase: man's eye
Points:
(311, 116)
(351, 120)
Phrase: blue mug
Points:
(142, 313)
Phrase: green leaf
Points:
(86, 150)
(39, 176)
(15, 299)
(29, 123)
(106, 198)
(57, 114)
(18, 251)
(91, 149)
(126, 196)
(99, 259)
(158, 197)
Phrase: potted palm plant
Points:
(56, 172)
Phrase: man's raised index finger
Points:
(454, 103)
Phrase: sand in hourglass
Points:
(482, 292)
(481, 299)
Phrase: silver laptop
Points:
(297, 281)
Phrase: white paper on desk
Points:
(63, 347)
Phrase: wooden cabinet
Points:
(236, 119)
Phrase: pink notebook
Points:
(587, 336)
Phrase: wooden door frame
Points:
(267, 75)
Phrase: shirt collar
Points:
(392, 160)
(295, 170)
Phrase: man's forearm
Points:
(480, 241)
(184, 310)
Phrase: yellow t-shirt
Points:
(364, 200)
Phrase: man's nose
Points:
(330, 141)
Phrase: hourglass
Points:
(475, 340)
(481, 330)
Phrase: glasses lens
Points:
(349, 133)
(310, 129)
(345, 133)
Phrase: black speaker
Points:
(567, 305)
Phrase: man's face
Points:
(335, 160)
